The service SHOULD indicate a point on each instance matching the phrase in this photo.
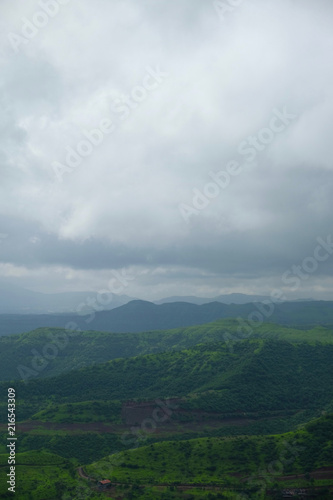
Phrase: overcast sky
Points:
(181, 91)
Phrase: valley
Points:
(168, 397)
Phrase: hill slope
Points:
(257, 375)
(73, 351)
(252, 464)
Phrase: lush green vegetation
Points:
(256, 375)
(234, 393)
(21, 354)
(238, 465)
(88, 411)
(39, 476)
(224, 461)
(82, 446)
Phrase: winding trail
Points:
(84, 475)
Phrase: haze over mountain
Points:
(230, 298)
(15, 299)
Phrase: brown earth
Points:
(322, 473)
(132, 424)
(168, 418)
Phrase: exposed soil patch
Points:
(322, 473)
(168, 420)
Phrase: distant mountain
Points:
(231, 298)
(140, 316)
(18, 300)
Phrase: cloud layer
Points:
(115, 114)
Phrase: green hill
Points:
(252, 465)
(259, 385)
(39, 476)
(51, 351)
(257, 375)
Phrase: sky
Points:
(181, 146)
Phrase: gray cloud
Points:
(119, 208)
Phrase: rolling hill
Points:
(257, 375)
(217, 392)
(72, 351)
(249, 466)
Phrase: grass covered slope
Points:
(88, 411)
(223, 461)
(250, 375)
(27, 355)
(39, 476)
(264, 377)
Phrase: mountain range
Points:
(140, 316)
